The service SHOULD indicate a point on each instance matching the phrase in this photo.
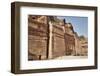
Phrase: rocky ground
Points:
(71, 57)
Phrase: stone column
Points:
(50, 41)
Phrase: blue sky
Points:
(80, 24)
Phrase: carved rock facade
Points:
(50, 37)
